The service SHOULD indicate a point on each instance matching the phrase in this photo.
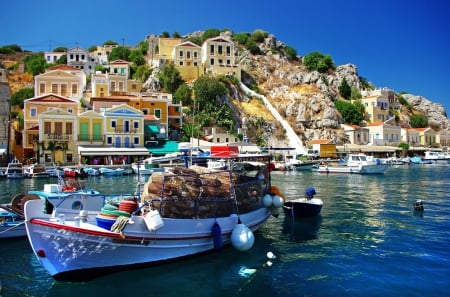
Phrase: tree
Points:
(241, 38)
(210, 33)
(418, 121)
(35, 64)
(319, 62)
(136, 57)
(344, 89)
(291, 53)
(18, 97)
(143, 47)
(60, 49)
(110, 42)
(356, 94)
(183, 95)
(119, 53)
(165, 34)
(170, 78)
(142, 72)
(252, 47)
(207, 90)
(349, 112)
(259, 35)
(62, 60)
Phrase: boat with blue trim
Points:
(181, 213)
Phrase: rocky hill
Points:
(304, 98)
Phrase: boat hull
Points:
(69, 252)
(364, 169)
(302, 208)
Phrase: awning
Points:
(164, 148)
(112, 151)
(153, 129)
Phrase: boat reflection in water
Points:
(302, 230)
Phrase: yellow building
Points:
(187, 59)
(427, 137)
(38, 126)
(219, 57)
(376, 107)
(61, 80)
(115, 139)
(443, 138)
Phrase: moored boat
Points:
(356, 164)
(307, 206)
(14, 169)
(182, 213)
(35, 171)
(11, 224)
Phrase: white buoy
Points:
(242, 238)
(270, 255)
(277, 201)
(267, 200)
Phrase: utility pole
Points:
(8, 102)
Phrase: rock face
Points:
(306, 98)
(434, 111)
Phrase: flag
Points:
(60, 180)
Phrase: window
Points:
(228, 50)
(188, 54)
(33, 112)
(30, 139)
(113, 124)
(54, 88)
(212, 62)
(69, 157)
(109, 140)
(136, 140)
(113, 86)
(42, 88)
(47, 127)
(58, 128)
(136, 124)
(69, 127)
(74, 89)
(157, 113)
(211, 49)
(195, 55)
(70, 110)
(120, 85)
(63, 90)
(181, 54)
(219, 49)
(145, 111)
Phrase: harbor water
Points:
(368, 241)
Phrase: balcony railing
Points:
(90, 137)
(57, 136)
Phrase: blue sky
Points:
(400, 44)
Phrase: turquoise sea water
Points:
(367, 241)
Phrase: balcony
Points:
(57, 136)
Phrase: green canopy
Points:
(152, 128)
(163, 148)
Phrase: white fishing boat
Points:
(182, 213)
(35, 171)
(14, 169)
(356, 164)
(436, 158)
